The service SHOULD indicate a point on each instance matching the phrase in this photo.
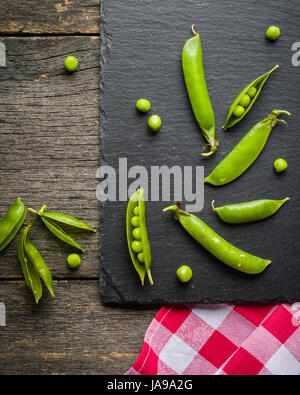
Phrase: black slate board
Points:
(141, 57)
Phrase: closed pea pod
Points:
(217, 246)
(60, 233)
(245, 100)
(194, 75)
(137, 235)
(64, 219)
(250, 211)
(245, 152)
(39, 264)
(11, 223)
(31, 276)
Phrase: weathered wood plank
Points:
(47, 16)
(70, 334)
(49, 150)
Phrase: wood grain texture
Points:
(71, 334)
(49, 17)
(49, 151)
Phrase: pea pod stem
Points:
(216, 245)
(37, 215)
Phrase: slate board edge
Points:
(110, 296)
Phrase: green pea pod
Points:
(194, 75)
(11, 223)
(245, 152)
(141, 260)
(217, 246)
(248, 212)
(256, 87)
(39, 264)
(65, 219)
(60, 233)
(31, 276)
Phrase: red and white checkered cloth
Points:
(222, 340)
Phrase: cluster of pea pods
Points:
(33, 266)
(230, 168)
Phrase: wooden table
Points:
(49, 154)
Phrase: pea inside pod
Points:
(137, 236)
(216, 245)
(245, 100)
(11, 223)
(250, 211)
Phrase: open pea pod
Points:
(246, 100)
(137, 235)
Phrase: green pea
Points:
(154, 123)
(252, 92)
(137, 233)
(141, 257)
(184, 274)
(135, 221)
(137, 246)
(143, 105)
(238, 111)
(71, 63)
(245, 101)
(136, 211)
(280, 165)
(273, 33)
(74, 261)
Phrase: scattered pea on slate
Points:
(143, 105)
(273, 33)
(154, 123)
(280, 165)
(184, 274)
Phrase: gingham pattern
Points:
(221, 340)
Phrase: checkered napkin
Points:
(221, 340)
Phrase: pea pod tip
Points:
(213, 205)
